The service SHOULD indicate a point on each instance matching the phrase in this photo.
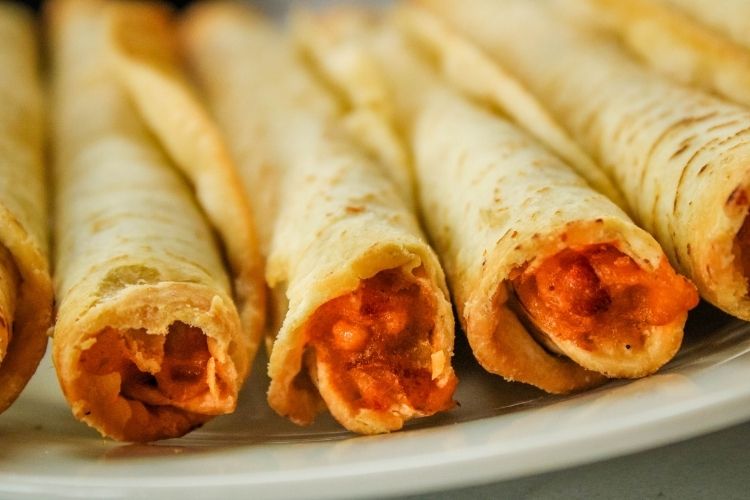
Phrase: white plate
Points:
(500, 431)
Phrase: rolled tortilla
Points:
(361, 112)
(148, 343)
(367, 327)
(681, 156)
(25, 284)
(673, 43)
(539, 263)
(729, 17)
(476, 75)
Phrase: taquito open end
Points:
(598, 307)
(374, 356)
(155, 364)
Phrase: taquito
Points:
(148, 343)
(681, 156)
(366, 325)
(25, 284)
(672, 42)
(555, 286)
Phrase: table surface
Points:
(715, 465)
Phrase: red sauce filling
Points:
(377, 342)
(597, 295)
(174, 365)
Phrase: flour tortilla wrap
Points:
(475, 74)
(362, 109)
(25, 284)
(681, 156)
(728, 17)
(148, 342)
(674, 43)
(505, 215)
(367, 327)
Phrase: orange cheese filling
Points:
(9, 281)
(174, 369)
(377, 342)
(597, 296)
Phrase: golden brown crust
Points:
(23, 221)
